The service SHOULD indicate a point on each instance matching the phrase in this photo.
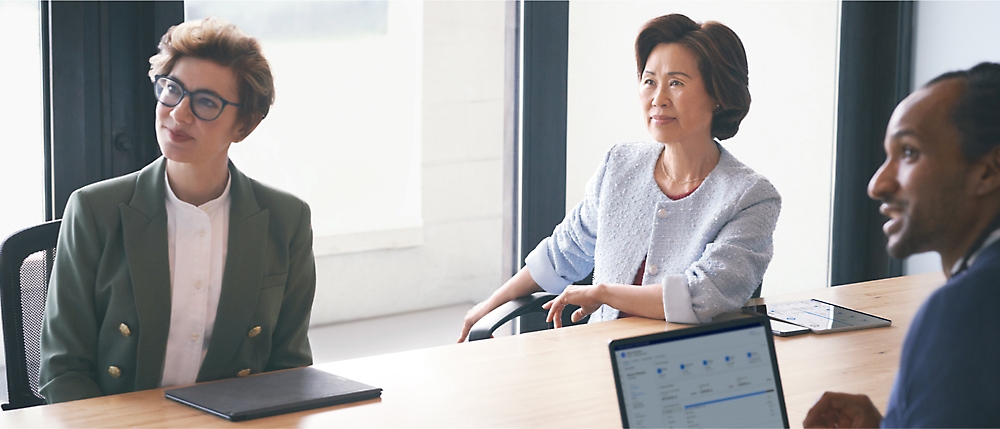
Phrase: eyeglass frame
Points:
(185, 93)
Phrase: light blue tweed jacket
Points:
(717, 240)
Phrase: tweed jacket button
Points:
(123, 328)
(243, 372)
(254, 332)
(652, 269)
(114, 371)
(661, 213)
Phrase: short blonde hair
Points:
(223, 43)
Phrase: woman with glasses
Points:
(676, 228)
(186, 270)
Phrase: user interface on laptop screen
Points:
(710, 377)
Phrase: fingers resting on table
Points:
(584, 296)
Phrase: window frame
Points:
(97, 108)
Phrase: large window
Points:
(388, 121)
(788, 135)
(22, 165)
(344, 133)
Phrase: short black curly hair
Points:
(977, 110)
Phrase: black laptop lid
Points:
(715, 375)
(273, 393)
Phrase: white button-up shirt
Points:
(197, 238)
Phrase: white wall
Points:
(788, 136)
(345, 131)
(408, 210)
(950, 35)
(461, 190)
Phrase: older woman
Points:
(678, 229)
(187, 270)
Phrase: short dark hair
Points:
(722, 61)
(977, 111)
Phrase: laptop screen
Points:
(716, 375)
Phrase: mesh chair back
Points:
(26, 259)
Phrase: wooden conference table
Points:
(555, 378)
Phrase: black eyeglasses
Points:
(205, 105)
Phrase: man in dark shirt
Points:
(940, 187)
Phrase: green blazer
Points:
(107, 314)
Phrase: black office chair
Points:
(529, 312)
(531, 315)
(26, 259)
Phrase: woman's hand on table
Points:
(589, 298)
(473, 315)
(520, 285)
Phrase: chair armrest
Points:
(516, 307)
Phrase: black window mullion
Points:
(43, 18)
(543, 145)
(875, 66)
(75, 99)
(98, 111)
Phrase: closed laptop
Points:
(273, 393)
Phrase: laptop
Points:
(715, 375)
(273, 393)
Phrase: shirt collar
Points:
(208, 207)
(990, 239)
